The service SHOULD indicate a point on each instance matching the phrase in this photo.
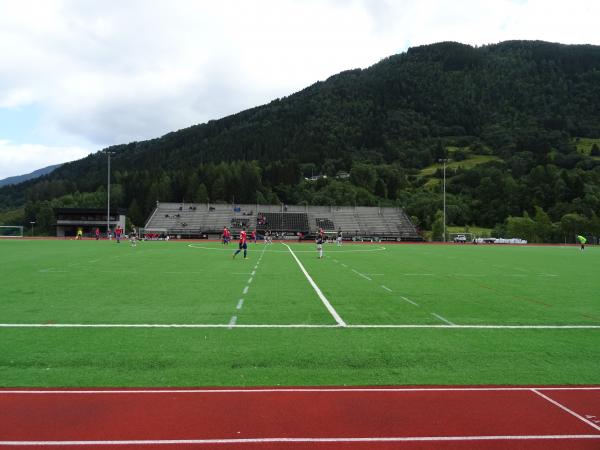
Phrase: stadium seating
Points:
(195, 220)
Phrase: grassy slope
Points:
(100, 282)
(584, 145)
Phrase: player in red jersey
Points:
(226, 235)
(243, 245)
(253, 236)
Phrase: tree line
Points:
(523, 102)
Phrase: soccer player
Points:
(319, 241)
(582, 240)
(254, 236)
(118, 232)
(243, 245)
(97, 234)
(339, 238)
(225, 236)
(79, 234)
(133, 237)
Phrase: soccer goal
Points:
(11, 231)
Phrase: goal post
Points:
(11, 231)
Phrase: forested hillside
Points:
(519, 120)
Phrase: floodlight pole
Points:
(444, 161)
(108, 194)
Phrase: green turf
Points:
(89, 282)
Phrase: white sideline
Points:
(330, 308)
(298, 390)
(564, 408)
(305, 440)
(299, 325)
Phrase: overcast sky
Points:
(79, 75)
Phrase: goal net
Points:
(11, 231)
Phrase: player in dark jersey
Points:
(319, 242)
(243, 244)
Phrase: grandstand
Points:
(207, 220)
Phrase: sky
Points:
(79, 75)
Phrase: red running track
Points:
(444, 418)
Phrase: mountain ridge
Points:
(524, 102)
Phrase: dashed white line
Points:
(442, 319)
(232, 322)
(250, 280)
(240, 303)
(245, 291)
(361, 274)
(253, 273)
(344, 265)
(410, 301)
(386, 288)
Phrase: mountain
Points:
(35, 174)
(520, 121)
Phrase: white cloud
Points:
(110, 72)
(19, 159)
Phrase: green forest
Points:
(518, 122)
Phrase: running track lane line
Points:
(330, 308)
(305, 440)
(564, 408)
(522, 417)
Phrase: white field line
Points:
(294, 390)
(216, 325)
(442, 319)
(232, 322)
(240, 304)
(245, 291)
(250, 280)
(253, 273)
(330, 308)
(344, 265)
(361, 274)
(386, 288)
(305, 440)
(330, 251)
(411, 302)
(564, 408)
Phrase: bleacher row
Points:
(194, 220)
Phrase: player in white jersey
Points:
(339, 238)
(319, 242)
(133, 237)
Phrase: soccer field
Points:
(98, 313)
